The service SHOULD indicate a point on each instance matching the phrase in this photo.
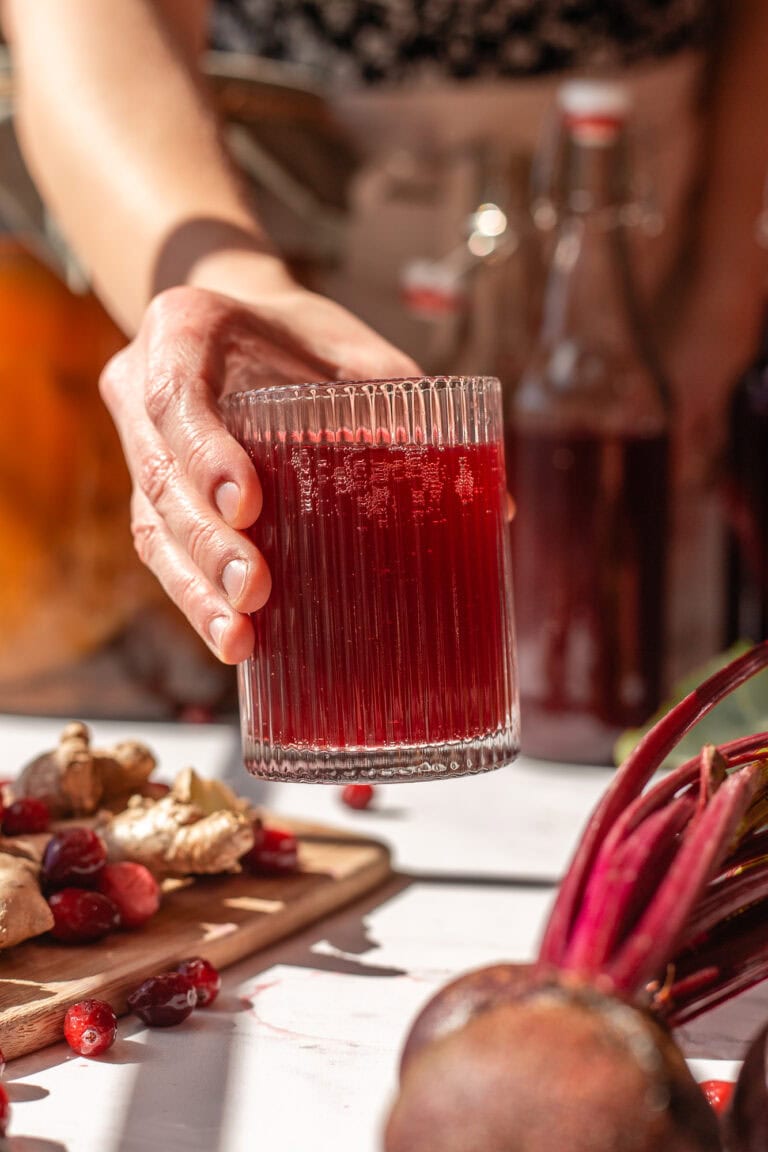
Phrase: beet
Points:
(660, 917)
(456, 1003)
(557, 1070)
(746, 1119)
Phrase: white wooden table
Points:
(300, 1052)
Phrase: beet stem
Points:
(629, 781)
(724, 899)
(617, 885)
(706, 843)
(739, 962)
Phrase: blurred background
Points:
(434, 212)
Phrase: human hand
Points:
(195, 491)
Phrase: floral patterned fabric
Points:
(375, 41)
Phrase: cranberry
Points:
(73, 858)
(132, 889)
(205, 979)
(274, 851)
(357, 795)
(5, 1110)
(90, 1027)
(164, 1000)
(81, 916)
(26, 816)
(718, 1093)
(196, 714)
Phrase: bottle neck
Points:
(595, 170)
(587, 298)
(593, 363)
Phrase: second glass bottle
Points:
(588, 461)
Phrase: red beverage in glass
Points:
(386, 647)
(397, 551)
(588, 563)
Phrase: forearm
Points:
(731, 261)
(125, 147)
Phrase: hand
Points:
(195, 491)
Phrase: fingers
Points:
(163, 393)
(342, 347)
(228, 560)
(196, 490)
(228, 633)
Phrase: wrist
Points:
(223, 257)
(245, 275)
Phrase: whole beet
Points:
(659, 917)
(468, 995)
(552, 1071)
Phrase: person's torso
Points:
(409, 41)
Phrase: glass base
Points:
(394, 764)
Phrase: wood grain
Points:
(221, 918)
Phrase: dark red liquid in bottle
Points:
(746, 505)
(588, 549)
(390, 619)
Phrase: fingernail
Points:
(227, 497)
(216, 630)
(233, 578)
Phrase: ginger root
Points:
(24, 911)
(74, 778)
(207, 794)
(173, 837)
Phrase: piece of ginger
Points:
(173, 838)
(24, 911)
(74, 779)
(207, 794)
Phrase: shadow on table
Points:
(33, 1144)
(187, 1102)
(181, 1079)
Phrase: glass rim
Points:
(326, 389)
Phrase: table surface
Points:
(300, 1050)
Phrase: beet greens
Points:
(666, 899)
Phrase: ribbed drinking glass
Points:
(386, 648)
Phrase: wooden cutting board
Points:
(220, 918)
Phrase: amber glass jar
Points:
(67, 576)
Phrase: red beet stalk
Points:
(682, 863)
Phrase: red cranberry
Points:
(5, 1110)
(73, 858)
(132, 889)
(90, 1027)
(718, 1093)
(205, 979)
(26, 816)
(81, 916)
(357, 795)
(196, 714)
(274, 851)
(164, 1000)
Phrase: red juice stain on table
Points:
(388, 616)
